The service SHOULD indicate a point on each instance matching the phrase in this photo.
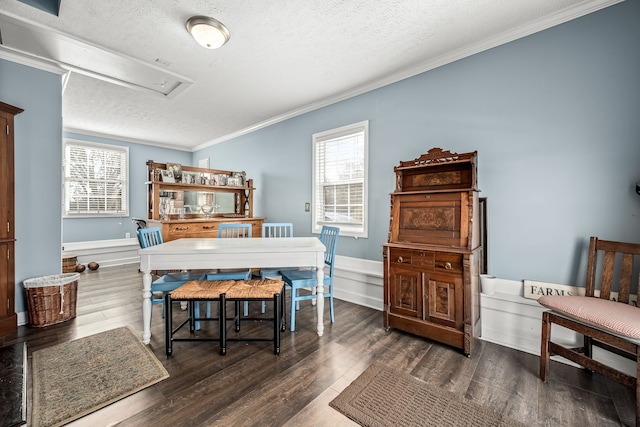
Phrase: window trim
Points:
(345, 228)
(99, 146)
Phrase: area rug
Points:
(381, 397)
(73, 379)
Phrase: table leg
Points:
(168, 324)
(146, 307)
(320, 300)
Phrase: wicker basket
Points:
(69, 263)
(51, 299)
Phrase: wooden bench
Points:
(223, 291)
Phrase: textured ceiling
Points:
(284, 57)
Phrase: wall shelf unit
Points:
(188, 201)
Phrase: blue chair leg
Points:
(196, 313)
(331, 307)
(246, 308)
(293, 310)
(163, 307)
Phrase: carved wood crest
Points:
(438, 156)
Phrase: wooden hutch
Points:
(431, 262)
(177, 204)
(8, 317)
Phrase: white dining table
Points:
(212, 253)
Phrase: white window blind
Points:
(95, 179)
(340, 179)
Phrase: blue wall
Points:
(553, 116)
(38, 154)
(85, 229)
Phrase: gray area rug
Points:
(73, 379)
(381, 396)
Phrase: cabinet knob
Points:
(208, 227)
(447, 265)
(400, 259)
(182, 228)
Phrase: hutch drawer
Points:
(448, 261)
(178, 229)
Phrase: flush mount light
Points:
(207, 31)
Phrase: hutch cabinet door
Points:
(6, 181)
(437, 219)
(405, 292)
(445, 299)
(7, 290)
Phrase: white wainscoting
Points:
(359, 281)
(107, 253)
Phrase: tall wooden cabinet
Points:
(431, 260)
(8, 317)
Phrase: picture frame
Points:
(167, 175)
(190, 178)
(234, 181)
(176, 168)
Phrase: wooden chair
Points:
(613, 325)
(299, 279)
(167, 281)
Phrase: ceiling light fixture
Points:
(207, 31)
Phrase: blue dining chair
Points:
(168, 281)
(228, 231)
(307, 279)
(274, 230)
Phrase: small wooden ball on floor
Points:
(93, 265)
(80, 268)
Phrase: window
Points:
(95, 179)
(340, 179)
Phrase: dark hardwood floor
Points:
(250, 386)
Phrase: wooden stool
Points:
(223, 291)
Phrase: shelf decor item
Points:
(176, 168)
(206, 210)
(167, 176)
(234, 181)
